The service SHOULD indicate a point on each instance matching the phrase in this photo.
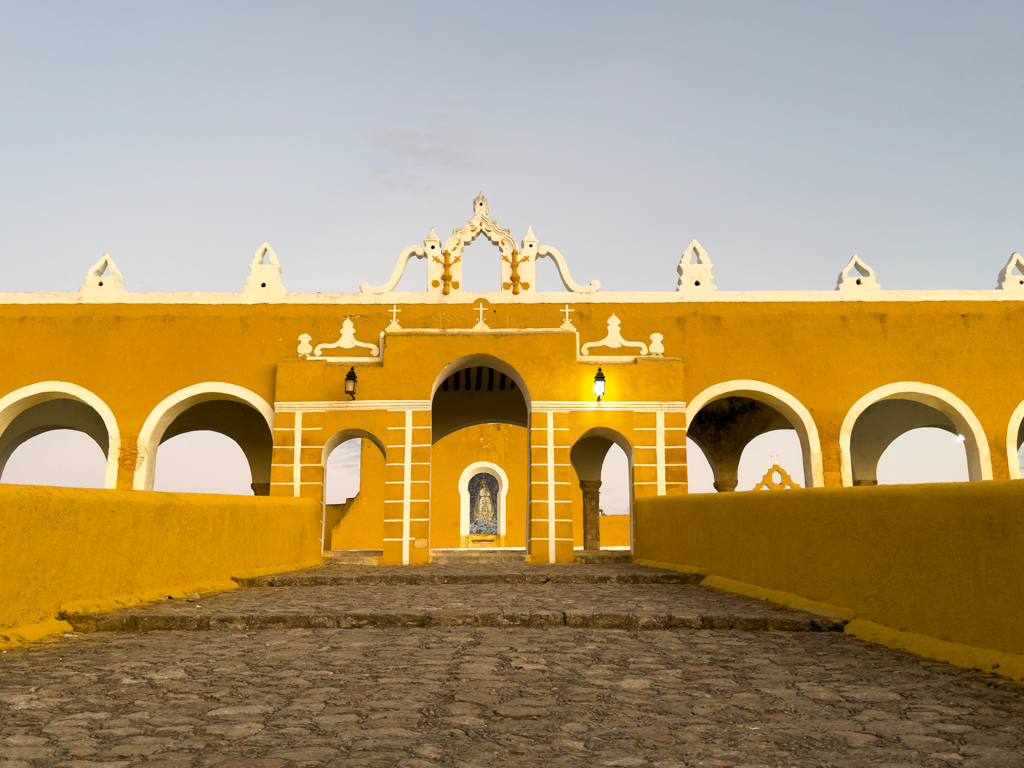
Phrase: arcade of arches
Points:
(484, 419)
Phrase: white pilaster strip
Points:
(407, 495)
(551, 487)
(659, 443)
(297, 463)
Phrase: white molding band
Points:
(979, 460)
(527, 297)
(20, 400)
(309, 406)
(636, 406)
(172, 406)
(795, 411)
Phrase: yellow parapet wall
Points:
(944, 561)
(76, 549)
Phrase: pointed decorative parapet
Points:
(1009, 281)
(857, 276)
(264, 283)
(103, 281)
(695, 271)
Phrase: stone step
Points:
(634, 606)
(136, 621)
(476, 573)
(354, 557)
(477, 556)
(584, 556)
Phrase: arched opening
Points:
(879, 418)
(603, 455)
(353, 462)
(723, 420)
(202, 461)
(63, 458)
(779, 447)
(55, 407)
(923, 455)
(1015, 444)
(479, 414)
(227, 409)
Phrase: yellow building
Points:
(455, 393)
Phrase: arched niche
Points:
(477, 389)
(228, 409)
(723, 418)
(889, 411)
(51, 405)
(468, 474)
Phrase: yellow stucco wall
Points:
(826, 354)
(614, 530)
(943, 560)
(64, 545)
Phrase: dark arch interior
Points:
(51, 415)
(476, 395)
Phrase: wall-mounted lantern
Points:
(599, 384)
(350, 382)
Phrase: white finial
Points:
(696, 276)
(1009, 281)
(480, 205)
(775, 459)
(481, 325)
(567, 325)
(863, 280)
(102, 286)
(264, 283)
(393, 325)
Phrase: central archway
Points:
(479, 424)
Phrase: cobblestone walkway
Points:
(495, 696)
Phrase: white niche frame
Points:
(468, 473)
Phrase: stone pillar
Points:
(260, 489)
(591, 514)
(726, 486)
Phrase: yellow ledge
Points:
(780, 598)
(114, 602)
(1009, 665)
(272, 569)
(31, 633)
(1005, 664)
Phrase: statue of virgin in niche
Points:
(483, 507)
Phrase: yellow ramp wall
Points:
(67, 545)
(943, 560)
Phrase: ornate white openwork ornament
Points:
(857, 276)
(444, 264)
(695, 270)
(1009, 281)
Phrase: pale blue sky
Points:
(783, 136)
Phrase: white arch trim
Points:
(979, 460)
(1012, 430)
(784, 403)
(173, 406)
(20, 400)
(467, 474)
